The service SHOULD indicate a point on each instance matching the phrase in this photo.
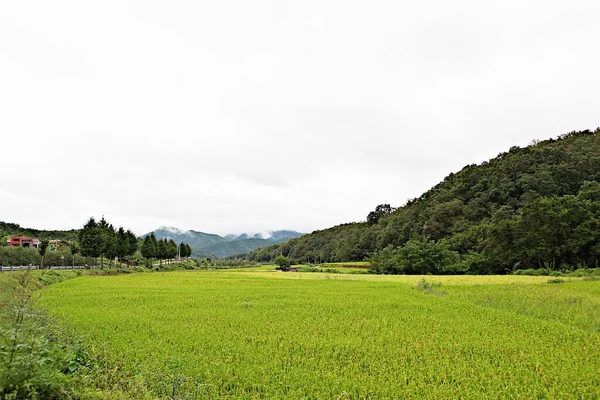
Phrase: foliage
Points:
(27, 256)
(382, 210)
(282, 262)
(185, 250)
(101, 239)
(43, 247)
(532, 207)
(417, 256)
(149, 247)
(7, 228)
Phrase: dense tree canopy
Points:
(98, 239)
(529, 207)
(7, 228)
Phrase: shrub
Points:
(283, 263)
(418, 256)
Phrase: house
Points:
(23, 241)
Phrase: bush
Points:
(283, 263)
(18, 256)
(418, 256)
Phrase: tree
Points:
(148, 248)
(101, 239)
(108, 239)
(42, 249)
(282, 262)
(171, 249)
(3, 238)
(560, 230)
(381, 210)
(182, 250)
(162, 250)
(88, 239)
(74, 248)
(122, 245)
(418, 256)
(133, 243)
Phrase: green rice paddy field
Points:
(263, 334)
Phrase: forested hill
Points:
(527, 208)
(7, 228)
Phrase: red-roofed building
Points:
(23, 241)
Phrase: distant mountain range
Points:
(212, 245)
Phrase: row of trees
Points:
(97, 239)
(527, 208)
(164, 249)
(101, 239)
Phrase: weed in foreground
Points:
(33, 365)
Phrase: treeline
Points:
(163, 249)
(529, 207)
(101, 239)
(97, 243)
(15, 256)
(7, 229)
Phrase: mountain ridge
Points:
(204, 244)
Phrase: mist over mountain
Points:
(210, 244)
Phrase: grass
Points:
(38, 358)
(35, 361)
(262, 334)
(347, 264)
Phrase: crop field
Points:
(264, 334)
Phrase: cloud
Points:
(248, 116)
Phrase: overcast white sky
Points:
(231, 116)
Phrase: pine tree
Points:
(149, 247)
(133, 243)
(88, 239)
(172, 253)
(122, 243)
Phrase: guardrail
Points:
(68, 267)
(34, 267)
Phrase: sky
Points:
(244, 116)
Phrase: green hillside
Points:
(531, 207)
(228, 249)
(7, 228)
